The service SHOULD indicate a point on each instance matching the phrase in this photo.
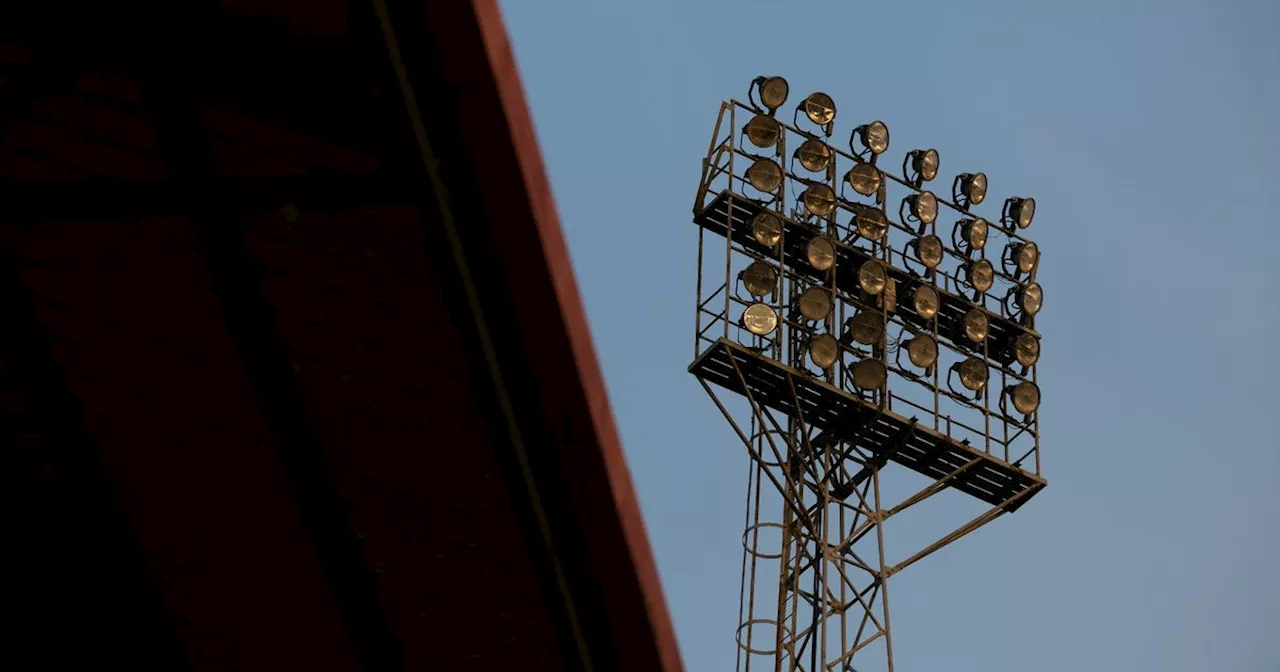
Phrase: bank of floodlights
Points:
(884, 313)
(953, 296)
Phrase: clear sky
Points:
(1147, 133)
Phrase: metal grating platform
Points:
(843, 415)
(728, 207)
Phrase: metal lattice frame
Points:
(814, 574)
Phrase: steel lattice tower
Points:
(842, 327)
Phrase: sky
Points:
(1146, 132)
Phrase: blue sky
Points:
(1146, 132)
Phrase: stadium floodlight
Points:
(874, 138)
(922, 350)
(814, 155)
(928, 250)
(1019, 212)
(981, 275)
(1031, 298)
(864, 178)
(759, 279)
(814, 303)
(920, 165)
(969, 189)
(821, 253)
(872, 277)
(820, 109)
(871, 223)
(1021, 258)
(766, 228)
(867, 328)
(1026, 349)
(824, 350)
(759, 319)
(970, 234)
(763, 131)
(869, 374)
(772, 92)
(925, 302)
(818, 199)
(765, 175)
(923, 207)
(976, 325)
(1024, 395)
(973, 374)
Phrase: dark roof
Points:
(294, 373)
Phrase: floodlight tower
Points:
(854, 336)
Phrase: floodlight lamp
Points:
(766, 228)
(922, 350)
(976, 325)
(1031, 298)
(924, 163)
(820, 109)
(1026, 255)
(974, 233)
(971, 188)
(872, 224)
(759, 319)
(924, 206)
(759, 279)
(1026, 349)
(1020, 211)
(869, 374)
(765, 175)
(981, 275)
(1025, 396)
(824, 350)
(928, 250)
(864, 178)
(874, 137)
(925, 302)
(821, 253)
(973, 374)
(814, 155)
(763, 131)
(867, 327)
(772, 90)
(819, 200)
(814, 303)
(871, 277)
